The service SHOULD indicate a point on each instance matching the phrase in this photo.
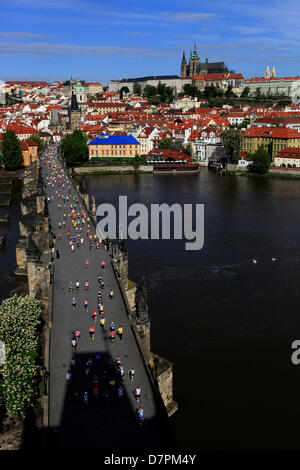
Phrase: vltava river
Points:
(226, 323)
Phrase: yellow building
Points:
(93, 88)
(114, 146)
(29, 151)
(272, 139)
(107, 108)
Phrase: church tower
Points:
(74, 114)
(273, 73)
(267, 72)
(183, 70)
(194, 64)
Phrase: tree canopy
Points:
(75, 149)
(190, 90)
(11, 157)
(165, 144)
(137, 90)
(176, 145)
(245, 92)
(159, 94)
(123, 90)
(229, 93)
(231, 139)
(19, 324)
(261, 161)
(36, 138)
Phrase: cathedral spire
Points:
(273, 73)
(183, 70)
(267, 72)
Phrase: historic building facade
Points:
(114, 146)
(173, 81)
(195, 67)
(74, 113)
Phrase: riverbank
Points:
(12, 174)
(135, 170)
(112, 169)
(276, 174)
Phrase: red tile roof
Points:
(277, 132)
(166, 154)
(21, 129)
(289, 152)
(263, 79)
(26, 83)
(219, 76)
(25, 144)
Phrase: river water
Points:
(8, 251)
(226, 323)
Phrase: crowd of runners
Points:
(101, 377)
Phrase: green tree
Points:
(169, 94)
(190, 90)
(261, 161)
(137, 90)
(149, 90)
(210, 92)
(258, 93)
(231, 139)
(19, 324)
(36, 138)
(229, 93)
(11, 151)
(188, 149)
(75, 149)
(245, 92)
(155, 100)
(165, 144)
(123, 90)
(160, 88)
(177, 146)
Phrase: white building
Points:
(172, 81)
(272, 85)
(145, 137)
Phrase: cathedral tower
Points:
(194, 64)
(74, 114)
(183, 70)
(273, 73)
(267, 72)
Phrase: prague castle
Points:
(188, 71)
(195, 67)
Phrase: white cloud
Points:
(23, 35)
(136, 33)
(189, 16)
(41, 49)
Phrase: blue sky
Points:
(102, 40)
